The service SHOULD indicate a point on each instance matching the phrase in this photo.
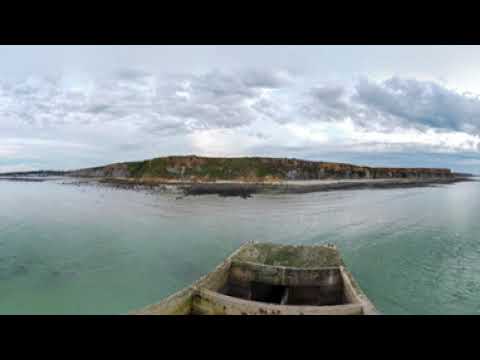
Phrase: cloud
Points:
(224, 142)
(98, 108)
(184, 103)
(136, 113)
(422, 103)
(394, 103)
(187, 102)
(326, 103)
(115, 111)
(330, 96)
(131, 74)
(255, 78)
(216, 100)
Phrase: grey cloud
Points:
(394, 103)
(23, 90)
(421, 103)
(214, 99)
(265, 79)
(131, 74)
(99, 108)
(220, 85)
(233, 99)
(129, 147)
(134, 103)
(327, 103)
(272, 109)
(166, 128)
(330, 96)
(258, 135)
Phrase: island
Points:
(243, 176)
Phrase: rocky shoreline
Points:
(246, 190)
(21, 179)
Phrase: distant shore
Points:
(239, 188)
(244, 176)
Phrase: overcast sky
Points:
(66, 107)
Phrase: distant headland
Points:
(246, 175)
(194, 168)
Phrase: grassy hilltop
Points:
(195, 168)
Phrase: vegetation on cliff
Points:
(195, 168)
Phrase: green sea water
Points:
(93, 250)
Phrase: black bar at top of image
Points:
(242, 24)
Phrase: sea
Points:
(89, 249)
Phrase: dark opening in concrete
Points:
(315, 295)
(267, 293)
(287, 295)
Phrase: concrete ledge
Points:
(206, 302)
(246, 272)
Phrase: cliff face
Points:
(114, 170)
(194, 168)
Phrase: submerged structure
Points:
(271, 279)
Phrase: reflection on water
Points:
(67, 249)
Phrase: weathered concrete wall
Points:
(246, 272)
(206, 302)
(179, 303)
(354, 294)
(326, 286)
(295, 286)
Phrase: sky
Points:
(68, 107)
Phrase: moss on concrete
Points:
(292, 256)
